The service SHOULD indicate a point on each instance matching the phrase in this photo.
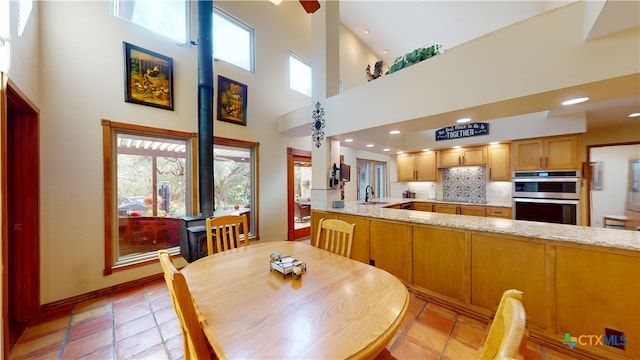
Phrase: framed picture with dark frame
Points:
(148, 77)
(232, 101)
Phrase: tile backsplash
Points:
(465, 184)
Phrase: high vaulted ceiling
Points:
(400, 27)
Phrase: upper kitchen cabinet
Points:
(417, 167)
(468, 156)
(550, 153)
(498, 165)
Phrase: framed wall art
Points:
(148, 77)
(232, 101)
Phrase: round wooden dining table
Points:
(339, 308)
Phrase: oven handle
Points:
(546, 180)
(546, 201)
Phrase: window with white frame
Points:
(149, 190)
(167, 17)
(299, 74)
(233, 40)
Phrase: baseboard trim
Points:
(64, 303)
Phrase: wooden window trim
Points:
(108, 180)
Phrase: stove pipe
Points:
(205, 107)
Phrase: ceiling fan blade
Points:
(310, 6)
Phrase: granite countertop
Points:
(613, 238)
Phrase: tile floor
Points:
(141, 324)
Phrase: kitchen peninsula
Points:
(576, 279)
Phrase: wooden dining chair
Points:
(227, 230)
(335, 236)
(507, 329)
(194, 341)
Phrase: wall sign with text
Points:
(462, 131)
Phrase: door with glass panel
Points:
(299, 193)
(372, 173)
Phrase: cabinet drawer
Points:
(501, 212)
(420, 206)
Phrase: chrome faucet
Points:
(368, 197)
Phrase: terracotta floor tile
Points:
(90, 327)
(43, 328)
(123, 303)
(164, 315)
(138, 343)
(105, 352)
(38, 345)
(457, 350)
(415, 307)
(48, 355)
(468, 335)
(161, 302)
(156, 353)
(132, 313)
(170, 329)
(437, 320)
(141, 324)
(449, 313)
(473, 323)
(175, 347)
(427, 337)
(87, 344)
(91, 313)
(157, 289)
(129, 293)
(410, 350)
(93, 303)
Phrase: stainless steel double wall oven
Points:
(547, 196)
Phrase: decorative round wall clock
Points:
(318, 125)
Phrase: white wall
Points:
(611, 200)
(82, 82)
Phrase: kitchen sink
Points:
(374, 202)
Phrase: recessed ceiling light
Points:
(457, 147)
(386, 149)
(425, 150)
(394, 132)
(399, 153)
(366, 32)
(385, 51)
(369, 145)
(575, 101)
(494, 143)
(632, 115)
(463, 120)
(348, 140)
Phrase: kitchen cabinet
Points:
(417, 166)
(550, 153)
(390, 248)
(468, 156)
(472, 210)
(498, 163)
(499, 212)
(422, 206)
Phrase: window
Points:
(372, 173)
(232, 40)
(167, 17)
(299, 74)
(24, 12)
(147, 192)
(234, 178)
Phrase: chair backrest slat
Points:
(230, 231)
(335, 235)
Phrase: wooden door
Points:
(498, 163)
(405, 165)
(561, 153)
(20, 211)
(296, 228)
(474, 156)
(425, 165)
(527, 154)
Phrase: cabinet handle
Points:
(459, 162)
(540, 160)
(463, 160)
(490, 177)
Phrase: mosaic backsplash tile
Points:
(465, 184)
